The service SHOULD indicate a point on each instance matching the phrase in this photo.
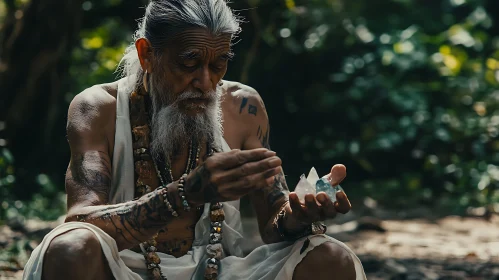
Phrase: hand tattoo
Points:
(199, 186)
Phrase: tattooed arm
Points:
(90, 128)
(269, 200)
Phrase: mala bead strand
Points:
(181, 193)
(165, 193)
(196, 161)
(188, 165)
(152, 259)
(168, 204)
(142, 168)
(214, 250)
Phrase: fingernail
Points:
(269, 153)
(274, 162)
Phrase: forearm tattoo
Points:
(277, 190)
(131, 222)
(275, 197)
(128, 223)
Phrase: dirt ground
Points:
(444, 248)
(390, 245)
(448, 248)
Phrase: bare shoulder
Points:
(92, 108)
(245, 116)
(92, 119)
(237, 94)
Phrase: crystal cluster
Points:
(312, 184)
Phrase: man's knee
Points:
(334, 258)
(77, 244)
(73, 251)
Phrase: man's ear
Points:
(145, 53)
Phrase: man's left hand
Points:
(319, 207)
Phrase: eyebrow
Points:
(227, 56)
(189, 55)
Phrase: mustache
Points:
(211, 95)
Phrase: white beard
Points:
(172, 129)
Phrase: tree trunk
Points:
(35, 49)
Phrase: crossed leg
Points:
(76, 255)
(326, 261)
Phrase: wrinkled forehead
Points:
(200, 40)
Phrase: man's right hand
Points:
(231, 175)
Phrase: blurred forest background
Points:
(403, 92)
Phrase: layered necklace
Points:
(146, 168)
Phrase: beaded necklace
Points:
(146, 166)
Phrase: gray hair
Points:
(165, 18)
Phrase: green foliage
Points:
(48, 203)
(411, 104)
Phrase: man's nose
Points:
(203, 80)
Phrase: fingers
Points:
(249, 169)
(338, 173)
(308, 212)
(342, 203)
(327, 206)
(236, 157)
(261, 180)
(312, 208)
(236, 189)
(296, 206)
(316, 208)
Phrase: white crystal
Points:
(304, 187)
(312, 177)
(308, 184)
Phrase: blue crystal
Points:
(323, 185)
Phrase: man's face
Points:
(195, 62)
(185, 92)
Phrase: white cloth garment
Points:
(274, 261)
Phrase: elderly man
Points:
(155, 176)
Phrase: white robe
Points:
(273, 261)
